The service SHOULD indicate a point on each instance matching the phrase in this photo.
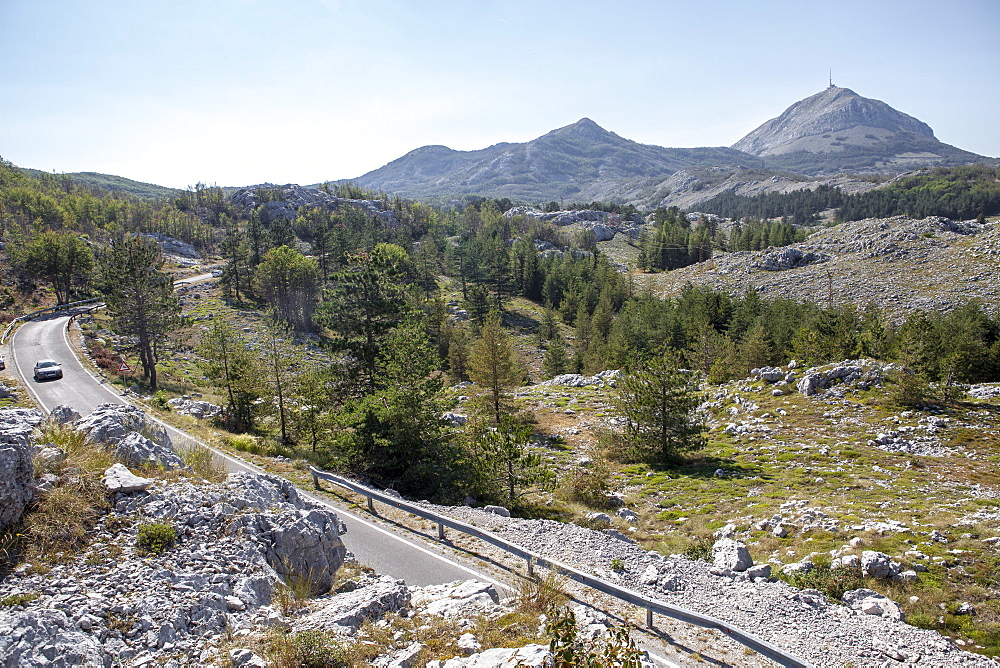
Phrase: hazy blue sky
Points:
(237, 92)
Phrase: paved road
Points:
(383, 550)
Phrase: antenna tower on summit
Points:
(831, 78)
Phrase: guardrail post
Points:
(440, 531)
(371, 505)
(531, 567)
(649, 617)
(316, 481)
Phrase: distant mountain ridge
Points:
(833, 132)
(580, 162)
(113, 183)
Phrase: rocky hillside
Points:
(901, 264)
(580, 162)
(838, 130)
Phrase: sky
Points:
(241, 92)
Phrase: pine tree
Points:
(658, 403)
(556, 360)
(139, 296)
(494, 367)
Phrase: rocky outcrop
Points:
(16, 479)
(137, 450)
(120, 606)
(175, 247)
(110, 423)
(371, 598)
(300, 544)
(872, 603)
(17, 471)
(19, 421)
(848, 372)
(789, 258)
(868, 261)
(273, 202)
(194, 407)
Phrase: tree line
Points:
(960, 193)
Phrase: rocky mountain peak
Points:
(828, 121)
(837, 131)
(585, 128)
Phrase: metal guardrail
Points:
(651, 606)
(29, 316)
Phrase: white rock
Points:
(732, 555)
(119, 479)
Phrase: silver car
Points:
(46, 369)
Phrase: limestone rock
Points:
(529, 656)
(49, 638)
(731, 555)
(194, 407)
(138, 451)
(455, 599)
(20, 421)
(17, 475)
(119, 479)
(497, 510)
(872, 603)
(789, 257)
(245, 658)
(302, 544)
(878, 565)
(109, 423)
(63, 414)
(628, 515)
(374, 597)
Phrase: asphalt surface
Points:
(384, 550)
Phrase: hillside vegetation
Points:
(346, 323)
(960, 193)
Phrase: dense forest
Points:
(372, 293)
(960, 193)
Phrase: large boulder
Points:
(878, 565)
(138, 451)
(374, 597)
(731, 556)
(17, 475)
(302, 545)
(110, 423)
(455, 599)
(871, 602)
(62, 414)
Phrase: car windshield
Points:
(45, 365)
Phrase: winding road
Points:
(45, 337)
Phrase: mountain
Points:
(112, 183)
(837, 130)
(579, 162)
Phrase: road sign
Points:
(124, 367)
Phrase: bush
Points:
(154, 538)
(831, 581)
(591, 487)
(308, 649)
(701, 549)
